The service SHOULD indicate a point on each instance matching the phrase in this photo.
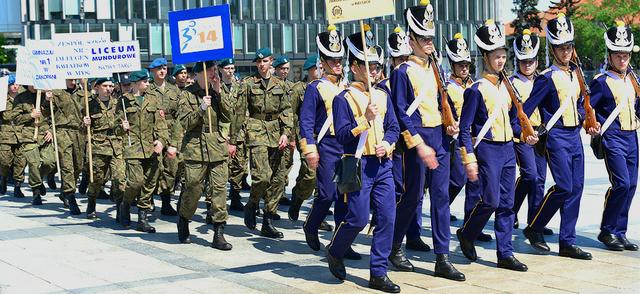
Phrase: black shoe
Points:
(91, 209)
(51, 182)
(511, 263)
(183, 231)
(143, 222)
(383, 284)
(484, 237)
(627, 244)
(418, 245)
(65, 201)
(103, 195)
(3, 185)
(547, 232)
(268, 230)
(118, 211)
(284, 201)
(453, 218)
(84, 184)
(336, 266)
(467, 246)
(351, 254)
(536, 239)
(37, 199)
(245, 185)
(219, 241)
(312, 239)
(399, 260)
(17, 192)
(250, 215)
(166, 206)
(42, 189)
(209, 216)
(516, 224)
(125, 214)
(575, 252)
(153, 204)
(275, 216)
(294, 208)
(610, 241)
(73, 205)
(325, 226)
(446, 270)
(236, 204)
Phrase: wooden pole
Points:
(366, 67)
(124, 107)
(206, 93)
(55, 136)
(86, 112)
(37, 120)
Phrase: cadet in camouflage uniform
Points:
(180, 76)
(237, 162)
(38, 153)
(267, 130)
(168, 95)
(282, 66)
(204, 151)
(10, 157)
(106, 144)
(148, 131)
(68, 117)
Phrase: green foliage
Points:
(568, 7)
(526, 15)
(5, 55)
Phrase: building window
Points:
(193, 4)
(276, 36)
(180, 5)
(78, 28)
(300, 48)
(72, 8)
(313, 31)
(165, 7)
(112, 28)
(272, 8)
(284, 10)
(263, 30)
(462, 9)
(246, 9)
(320, 10)
(156, 39)
(152, 9)
(136, 11)
(288, 38)
(95, 27)
(295, 9)
(167, 40)
(142, 35)
(125, 32)
(252, 38)
(258, 10)
(233, 10)
(308, 9)
(45, 32)
(121, 9)
(62, 28)
(238, 39)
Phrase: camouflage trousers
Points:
(268, 172)
(305, 182)
(10, 156)
(170, 170)
(71, 153)
(40, 160)
(142, 176)
(238, 167)
(287, 157)
(102, 166)
(216, 175)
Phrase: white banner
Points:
(106, 59)
(4, 90)
(24, 72)
(72, 59)
(46, 75)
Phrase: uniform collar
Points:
(419, 60)
(359, 86)
(565, 68)
(524, 78)
(493, 78)
(616, 75)
(332, 79)
(460, 82)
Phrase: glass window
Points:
(462, 9)
(276, 36)
(246, 9)
(258, 12)
(481, 9)
(300, 38)
(95, 27)
(264, 35)
(233, 9)
(238, 39)
(112, 28)
(78, 28)
(104, 11)
(284, 9)
(125, 32)
(193, 3)
(136, 11)
(167, 42)
(440, 10)
(295, 9)
(152, 9)
(180, 4)
(165, 7)
(272, 8)
(45, 31)
(472, 11)
(156, 39)
(252, 38)
(452, 10)
(55, 5)
(142, 35)
(308, 9)
(62, 28)
(121, 9)
(320, 9)
(71, 7)
(288, 38)
(313, 31)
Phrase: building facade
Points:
(287, 26)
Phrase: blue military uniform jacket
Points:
(315, 109)
(610, 89)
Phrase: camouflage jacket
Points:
(147, 125)
(297, 95)
(21, 118)
(229, 96)
(169, 97)
(67, 108)
(106, 126)
(9, 133)
(269, 111)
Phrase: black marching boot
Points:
(268, 230)
(91, 209)
(399, 260)
(236, 204)
(143, 222)
(294, 208)
(84, 184)
(37, 198)
(446, 270)
(3, 185)
(125, 214)
(219, 241)
(73, 204)
(183, 231)
(250, 215)
(17, 192)
(166, 206)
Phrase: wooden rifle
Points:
(634, 81)
(590, 118)
(447, 113)
(523, 119)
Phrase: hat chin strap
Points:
(488, 67)
(328, 71)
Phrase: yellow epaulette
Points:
(545, 71)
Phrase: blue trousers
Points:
(415, 178)
(377, 189)
(621, 160)
(497, 173)
(566, 161)
(533, 173)
(330, 152)
(415, 227)
(457, 176)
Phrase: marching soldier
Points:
(11, 160)
(366, 126)
(106, 145)
(180, 76)
(168, 96)
(489, 116)
(206, 120)
(556, 93)
(268, 128)
(71, 144)
(533, 166)
(38, 152)
(614, 99)
(148, 131)
(426, 160)
(229, 90)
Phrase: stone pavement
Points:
(43, 249)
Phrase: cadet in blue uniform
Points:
(556, 91)
(367, 127)
(533, 166)
(317, 136)
(425, 157)
(614, 100)
(487, 128)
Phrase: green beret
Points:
(281, 60)
(310, 62)
(177, 69)
(198, 66)
(139, 75)
(100, 81)
(262, 53)
(225, 62)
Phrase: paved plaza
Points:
(44, 249)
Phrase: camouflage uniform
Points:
(71, 145)
(204, 152)
(306, 180)
(269, 118)
(237, 165)
(10, 155)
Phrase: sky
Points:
(508, 5)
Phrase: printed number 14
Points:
(209, 36)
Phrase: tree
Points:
(527, 15)
(5, 55)
(568, 7)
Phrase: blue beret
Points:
(310, 62)
(262, 53)
(12, 79)
(225, 62)
(281, 60)
(139, 75)
(177, 69)
(158, 62)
